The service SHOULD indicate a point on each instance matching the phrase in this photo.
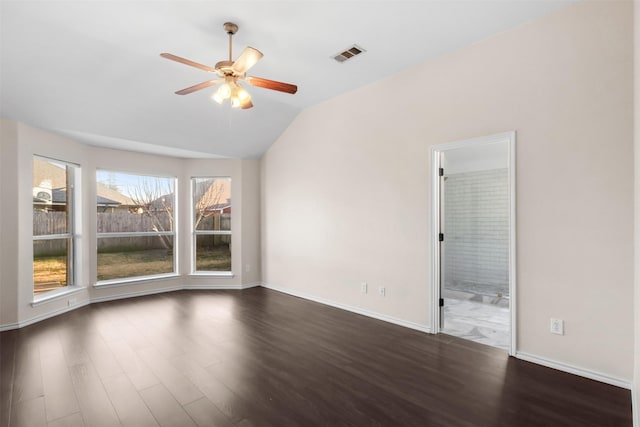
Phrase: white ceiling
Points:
(91, 69)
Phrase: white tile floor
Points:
(484, 322)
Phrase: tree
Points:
(210, 195)
(211, 201)
(155, 199)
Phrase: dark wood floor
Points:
(262, 358)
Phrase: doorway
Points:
(473, 240)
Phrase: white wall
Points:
(20, 142)
(345, 190)
(251, 256)
(8, 215)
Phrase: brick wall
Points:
(476, 227)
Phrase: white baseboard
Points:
(587, 373)
(136, 294)
(357, 310)
(218, 287)
(36, 319)
(9, 326)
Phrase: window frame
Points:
(73, 204)
(173, 234)
(195, 232)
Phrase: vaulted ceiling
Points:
(91, 70)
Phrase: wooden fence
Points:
(49, 222)
(125, 222)
(120, 222)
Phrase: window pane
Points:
(132, 203)
(126, 257)
(50, 201)
(50, 264)
(212, 203)
(213, 252)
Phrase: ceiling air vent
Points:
(349, 53)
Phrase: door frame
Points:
(436, 151)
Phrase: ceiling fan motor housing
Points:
(225, 68)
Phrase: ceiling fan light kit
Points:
(230, 72)
(230, 89)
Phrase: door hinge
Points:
(441, 237)
(441, 172)
(441, 302)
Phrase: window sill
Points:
(55, 295)
(133, 280)
(210, 274)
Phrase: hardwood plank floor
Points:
(261, 358)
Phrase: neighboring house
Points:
(219, 209)
(109, 200)
(48, 179)
(50, 194)
(213, 198)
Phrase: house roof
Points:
(112, 195)
(214, 193)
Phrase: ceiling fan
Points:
(230, 72)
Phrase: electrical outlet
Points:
(382, 291)
(363, 287)
(247, 268)
(557, 326)
(71, 301)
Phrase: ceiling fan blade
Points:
(188, 62)
(246, 60)
(272, 84)
(197, 87)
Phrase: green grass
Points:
(120, 265)
(51, 272)
(216, 259)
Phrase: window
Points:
(54, 237)
(211, 201)
(136, 226)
